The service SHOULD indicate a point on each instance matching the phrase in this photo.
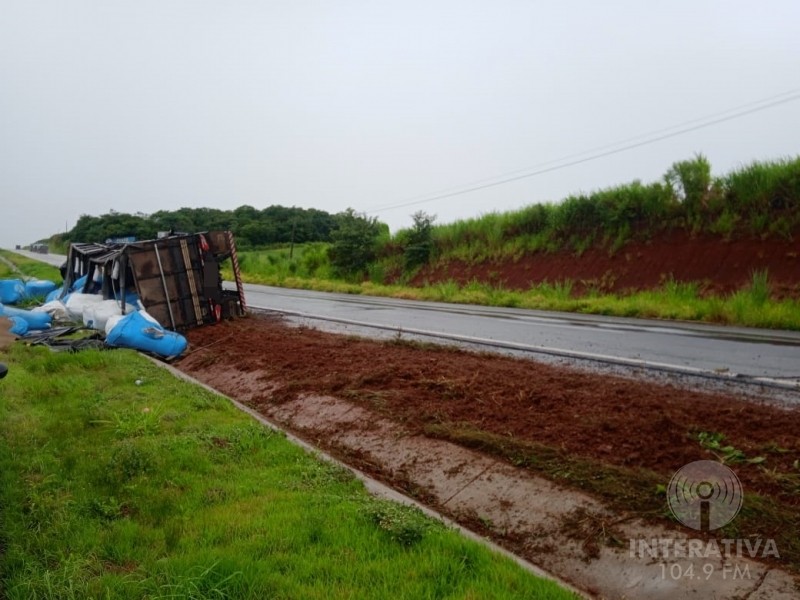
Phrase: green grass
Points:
(762, 199)
(749, 307)
(109, 489)
(307, 261)
(29, 267)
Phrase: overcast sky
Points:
(146, 105)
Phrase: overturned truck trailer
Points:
(176, 279)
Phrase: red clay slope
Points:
(719, 266)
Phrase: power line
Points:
(598, 148)
(514, 176)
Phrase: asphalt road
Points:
(690, 347)
(685, 346)
(51, 259)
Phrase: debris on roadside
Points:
(11, 291)
(139, 295)
(68, 338)
(140, 331)
(14, 291)
(33, 320)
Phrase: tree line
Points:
(355, 239)
(253, 227)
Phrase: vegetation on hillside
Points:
(355, 243)
(751, 306)
(761, 199)
(355, 251)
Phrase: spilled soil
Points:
(6, 338)
(718, 266)
(617, 439)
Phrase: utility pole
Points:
(291, 246)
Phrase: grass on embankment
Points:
(28, 266)
(109, 489)
(750, 307)
(761, 199)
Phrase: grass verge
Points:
(28, 266)
(111, 488)
(750, 307)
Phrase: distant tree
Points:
(690, 181)
(257, 233)
(111, 225)
(419, 240)
(320, 224)
(175, 220)
(354, 243)
(241, 216)
(272, 225)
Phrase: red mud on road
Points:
(718, 266)
(626, 425)
(619, 421)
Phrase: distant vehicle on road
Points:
(40, 248)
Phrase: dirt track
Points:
(611, 437)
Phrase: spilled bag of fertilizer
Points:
(77, 303)
(11, 291)
(35, 320)
(97, 315)
(39, 287)
(19, 326)
(140, 331)
(54, 308)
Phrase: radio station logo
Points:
(705, 495)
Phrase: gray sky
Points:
(146, 105)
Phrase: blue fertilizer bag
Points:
(77, 286)
(35, 320)
(140, 333)
(39, 287)
(18, 326)
(11, 291)
(54, 294)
